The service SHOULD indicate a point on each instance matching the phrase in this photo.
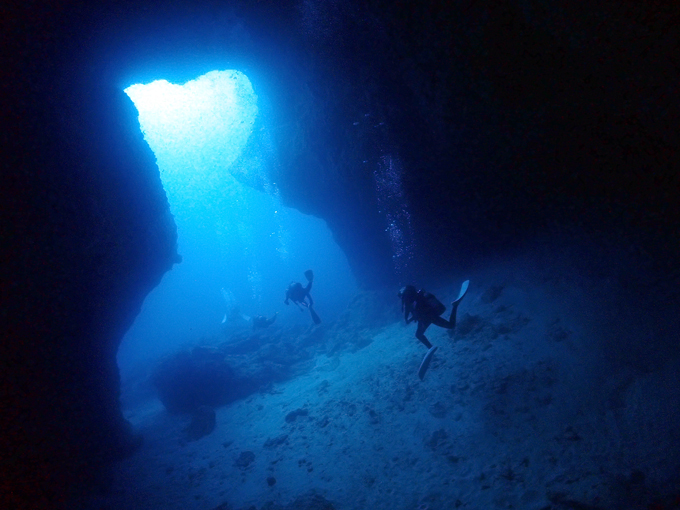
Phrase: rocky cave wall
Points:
(86, 235)
(476, 102)
(509, 121)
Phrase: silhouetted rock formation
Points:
(208, 376)
(203, 422)
(89, 236)
(188, 380)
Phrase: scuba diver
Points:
(299, 295)
(260, 321)
(426, 309)
(234, 314)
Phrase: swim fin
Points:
(309, 274)
(463, 291)
(315, 317)
(425, 364)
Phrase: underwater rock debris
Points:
(245, 459)
(202, 423)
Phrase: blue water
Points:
(542, 397)
(235, 236)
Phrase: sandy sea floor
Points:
(512, 414)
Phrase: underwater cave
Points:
(170, 168)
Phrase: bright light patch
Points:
(197, 130)
(234, 233)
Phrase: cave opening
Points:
(240, 244)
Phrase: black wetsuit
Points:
(260, 321)
(425, 308)
(298, 294)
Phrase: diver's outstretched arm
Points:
(309, 274)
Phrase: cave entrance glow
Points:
(237, 241)
(197, 131)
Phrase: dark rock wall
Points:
(86, 235)
(510, 120)
(517, 119)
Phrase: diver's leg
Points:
(443, 323)
(454, 304)
(452, 317)
(420, 333)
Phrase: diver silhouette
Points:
(234, 314)
(300, 295)
(426, 309)
(260, 321)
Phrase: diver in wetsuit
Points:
(260, 321)
(421, 306)
(299, 295)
